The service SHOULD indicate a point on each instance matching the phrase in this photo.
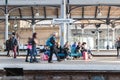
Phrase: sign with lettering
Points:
(57, 21)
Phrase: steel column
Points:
(108, 47)
(113, 38)
(63, 25)
(6, 20)
(98, 38)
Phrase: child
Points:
(29, 48)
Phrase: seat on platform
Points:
(74, 54)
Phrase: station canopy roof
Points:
(82, 11)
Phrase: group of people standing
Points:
(54, 46)
(32, 51)
(12, 45)
(31, 48)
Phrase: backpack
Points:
(48, 42)
(14, 41)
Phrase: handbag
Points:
(44, 57)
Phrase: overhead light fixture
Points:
(97, 25)
(15, 24)
(37, 14)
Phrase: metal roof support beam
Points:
(44, 8)
(20, 13)
(67, 8)
(30, 18)
(70, 12)
(32, 12)
(96, 11)
(108, 15)
(95, 18)
(94, 2)
(6, 7)
(34, 2)
(58, 2)
(82, 11)
(33, 20)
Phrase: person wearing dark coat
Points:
(9, 46)
(53, 48)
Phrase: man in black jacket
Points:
(8, 45)
(14, 44)
(53, 48)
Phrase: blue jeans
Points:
(33, 54)
(29, 51)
